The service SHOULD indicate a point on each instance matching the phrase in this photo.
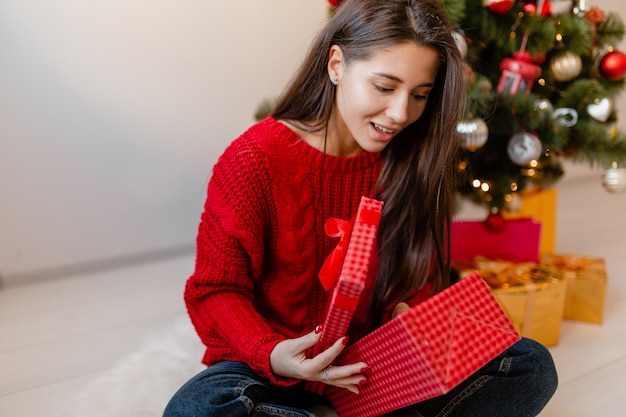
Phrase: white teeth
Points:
(382, 129)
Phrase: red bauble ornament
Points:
(498, 6)
(495, 222)
(613, 65)
(531, 8)
(334, 3)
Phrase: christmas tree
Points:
(541, 88)
(541, 85)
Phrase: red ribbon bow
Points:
(331, 269)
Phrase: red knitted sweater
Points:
(261, 242)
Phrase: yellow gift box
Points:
(586, 282)
(540, 205)
(532, 297)
(535, 309)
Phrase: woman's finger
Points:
(343, 374)
(326, 357)
(307, 341)
(344, 377)
(400, 308)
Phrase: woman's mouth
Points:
(383, 129)
(383, 133)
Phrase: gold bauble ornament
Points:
(566, 66)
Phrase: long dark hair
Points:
(417, 178)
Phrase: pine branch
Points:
(611, 30)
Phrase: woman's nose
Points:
(398, 108)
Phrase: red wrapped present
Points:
(346, 270)
(426, 351)
(517, 241)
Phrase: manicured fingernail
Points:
(318, 329)
(362, 382)
(345, 340)
(365, 369)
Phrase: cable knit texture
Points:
(261, 242)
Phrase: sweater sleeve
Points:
(229, 259)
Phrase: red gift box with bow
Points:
(346, 270)
(420, 354)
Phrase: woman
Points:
(371, 111)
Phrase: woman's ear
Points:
(335, 63)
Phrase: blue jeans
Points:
(517, 383)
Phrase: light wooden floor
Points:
(57, 335)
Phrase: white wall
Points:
(112, 114)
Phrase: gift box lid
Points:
(345, 271)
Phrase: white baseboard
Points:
(96, 265)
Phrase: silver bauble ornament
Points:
(474, 133)
(566, 66)
(524, 147)
(614, 179)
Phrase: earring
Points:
(334, 81)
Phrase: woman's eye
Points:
(420, 97)
(382, 89)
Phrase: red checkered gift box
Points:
(426, 351)
(346, 270)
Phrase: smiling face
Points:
(378, 97)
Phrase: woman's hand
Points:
(289, 359)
